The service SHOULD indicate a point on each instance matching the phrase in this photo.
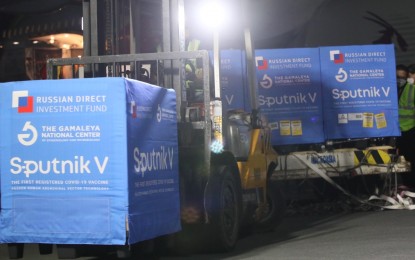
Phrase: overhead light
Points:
(15, 43)
(214, 14)
(35, 42)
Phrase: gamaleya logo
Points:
(29, 134)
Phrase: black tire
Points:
(275, 210)
(224, 209)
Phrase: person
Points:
(193, 68)
(401, 77)
(405, 143)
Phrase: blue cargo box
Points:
(88, 161)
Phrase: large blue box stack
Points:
(85, 160)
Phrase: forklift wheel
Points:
(224, 209)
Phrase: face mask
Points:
(401, 82)
(410, 80)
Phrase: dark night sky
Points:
(288, 23)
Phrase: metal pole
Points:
(86, 25)
(94, 27)
(217, 102)
(251, 70)
(250, 62)
(178, 44)
(166, 37)
(216, 63)
(132, 27)
(166, 45)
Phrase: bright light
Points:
(214, 14)
(216, 146)
(16, 43)
(35, 42)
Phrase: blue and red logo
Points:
(133, 109)
(22, 101)
(261, 63)
(336, 56)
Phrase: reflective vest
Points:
(407, 108)
(193, 45)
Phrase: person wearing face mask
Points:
(401, 77)
(406, 142)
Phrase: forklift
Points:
(225, 157)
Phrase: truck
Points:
(231, 178)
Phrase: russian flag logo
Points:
(22, 101)
(336, 56)
(261, 63)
